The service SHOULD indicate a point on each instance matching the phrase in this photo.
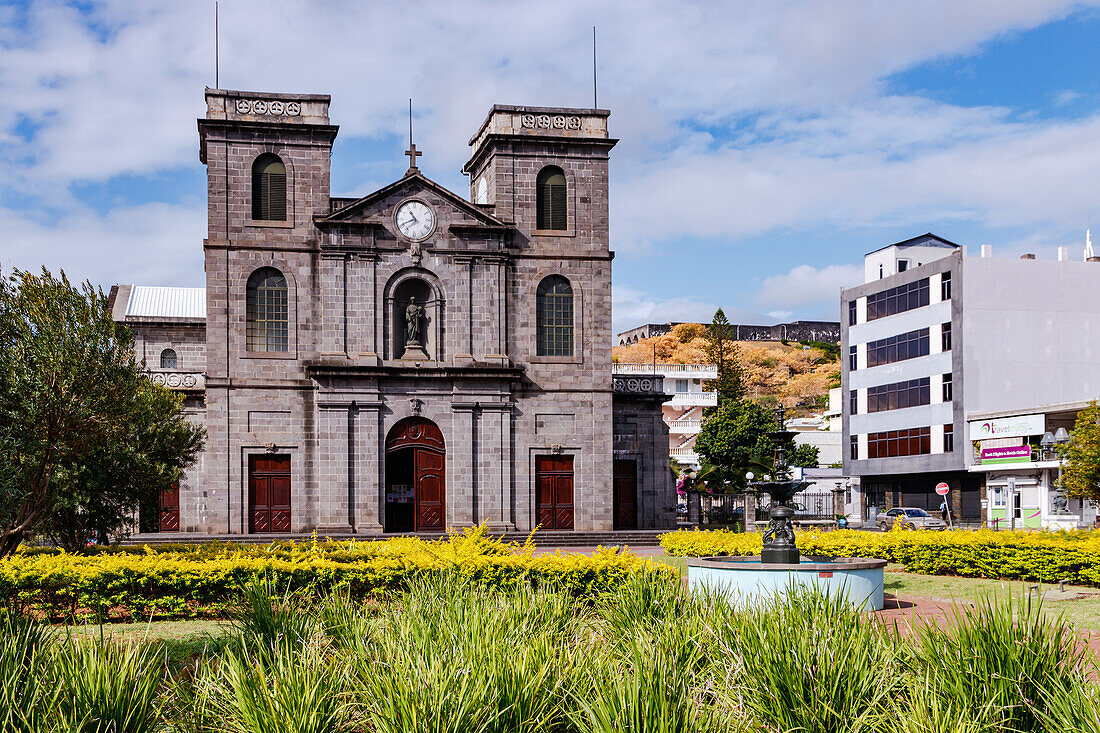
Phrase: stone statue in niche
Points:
(413, 314)
(414, 317)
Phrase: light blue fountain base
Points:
(859, 581)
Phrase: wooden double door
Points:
(416, 465)
(269, 493)
(554, 491)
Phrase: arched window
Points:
(555, 317)
(168, 359)
(266, 311)
(268, 188)
(550, 203)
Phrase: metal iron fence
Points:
(703, 509)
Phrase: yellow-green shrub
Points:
(1021, 555)
(205, 580)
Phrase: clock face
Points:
(415, 220)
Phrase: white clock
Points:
(414, 219)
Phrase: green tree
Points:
(804, 456)
(78, 417)
(99, 495)
(1081, 475)
(721, 350)
(734, 436)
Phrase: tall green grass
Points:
(24, 696)
(451, 656)
(1003, 660)
(105, 686)
(804, 661)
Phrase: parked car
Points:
(912, 518)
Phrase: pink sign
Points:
(1010, 451)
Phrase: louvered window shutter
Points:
(557, 207)
(552, 212)
(268, 189)
(276, 196)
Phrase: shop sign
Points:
(1008, 427)
(1006, 454)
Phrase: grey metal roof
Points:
(163, 302)
(928, 239)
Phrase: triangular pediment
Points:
(374, 208)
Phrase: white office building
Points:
(934, 340)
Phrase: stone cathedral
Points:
(411, 360)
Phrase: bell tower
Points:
(517, 148)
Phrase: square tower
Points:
(546, 170)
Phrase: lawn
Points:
(1082, 612)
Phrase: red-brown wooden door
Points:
(424, 440)
(428, 483)
(169, 516)
(625, 480)
(269, 493)
(554, 491)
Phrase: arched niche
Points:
(406, 289)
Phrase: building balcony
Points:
(670, 371)
(685, 427)
(684, 455)
(182, 381)
(694, 399)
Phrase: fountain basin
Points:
(858, 580)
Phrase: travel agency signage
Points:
(1008, 427)
(1022, 426)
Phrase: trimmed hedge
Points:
(1036, 556)
(205, 580)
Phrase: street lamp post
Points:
(1050, 443)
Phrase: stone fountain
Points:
(780, 567)
(779, 543)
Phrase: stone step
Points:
(550, 538)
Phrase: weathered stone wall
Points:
(330, 401)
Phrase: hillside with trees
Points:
(798, 375)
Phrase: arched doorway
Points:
(415, 470)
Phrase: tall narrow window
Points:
(945, 337)
(853, 447)
(851, 313)
(555, 317)
(853, 402)
(168, 359)
(266, 311)
(853, 358)
(946, 387)
(948, 438)
(945, 286)
(268, 188)
(551, 201)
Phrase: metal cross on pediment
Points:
(413, 154)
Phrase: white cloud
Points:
(152, 244)
(751, 116)
(805, 286)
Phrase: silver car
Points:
(911, 518)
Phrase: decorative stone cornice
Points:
(182, 381)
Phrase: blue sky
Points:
(765, 147)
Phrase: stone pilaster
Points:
(369, 469)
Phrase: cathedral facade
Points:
(411, 360)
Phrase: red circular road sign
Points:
(943, 489)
